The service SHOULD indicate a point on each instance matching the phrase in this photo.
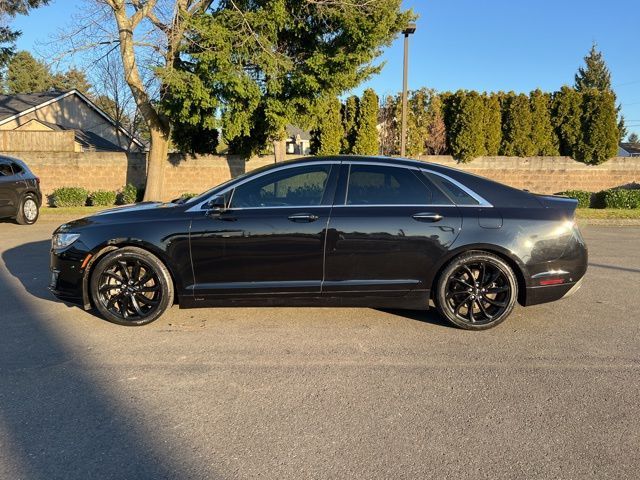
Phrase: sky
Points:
(484, 45)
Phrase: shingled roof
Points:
(12, 105)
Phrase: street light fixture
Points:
(411, 29)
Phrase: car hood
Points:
(140, 212)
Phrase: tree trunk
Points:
(156, 160)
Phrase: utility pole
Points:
(411, 28)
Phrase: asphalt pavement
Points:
(320, 393)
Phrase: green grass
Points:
(607, 213)
(70, 211)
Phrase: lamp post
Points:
(411, 28)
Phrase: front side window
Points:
(5, 170)
(380, 185)
(290, 187)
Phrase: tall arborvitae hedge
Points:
(328, 135)
(467, 126)
(366, 134)
(599, 127)
(492, 124)
(349, 114)
(543, 136)
(516, 126)
(566, 116)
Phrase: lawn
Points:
(607, 213)
(71, 212)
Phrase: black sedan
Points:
(341, 231)
(20, 196)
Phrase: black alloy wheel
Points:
(130, 286)
(477, 291)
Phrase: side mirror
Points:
(216, 205)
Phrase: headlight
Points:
(63, 240)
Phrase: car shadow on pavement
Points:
(426, 316)
(59, 418)
(29, 263)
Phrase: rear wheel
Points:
(131, 286)
(28, 211)
(477, 291)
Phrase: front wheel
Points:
(28, 211)
(476, 291)
(131, 286)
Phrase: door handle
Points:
(427, 217)
(303, 217)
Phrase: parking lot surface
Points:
(290, 393)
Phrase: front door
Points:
(270, 239)
(388, 228)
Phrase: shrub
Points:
(127, 194)
(621, 198)
(187, 196)
(102, 198)
(69, 197)
(583, 197)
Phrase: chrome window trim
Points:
(481, 201)
(198, 206)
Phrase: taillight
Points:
(552, 281)
(38, 180)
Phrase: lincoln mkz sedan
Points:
(328, 231)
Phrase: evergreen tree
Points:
(8, 36)
(543, 136)
(467, 135)
(72, 79)
(567, 120)
(595, 74)
(418, 121)
(517, 123)
(25, 74)
(492, 123)
(633, 138)
(366, 141)
(599, 128)
(388, 120)
(349, 115)
(436, 143)
(328, 135)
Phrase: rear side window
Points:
(5, 170)
(16, 168)
(381, 185)
(458, 195)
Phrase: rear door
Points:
(387, 229)
(10, 184)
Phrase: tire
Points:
(476, 291)
(28, 212)
(131, 286)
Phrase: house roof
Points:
(293, 132)
(15, 106)
(632, 148)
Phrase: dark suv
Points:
(20, 196)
